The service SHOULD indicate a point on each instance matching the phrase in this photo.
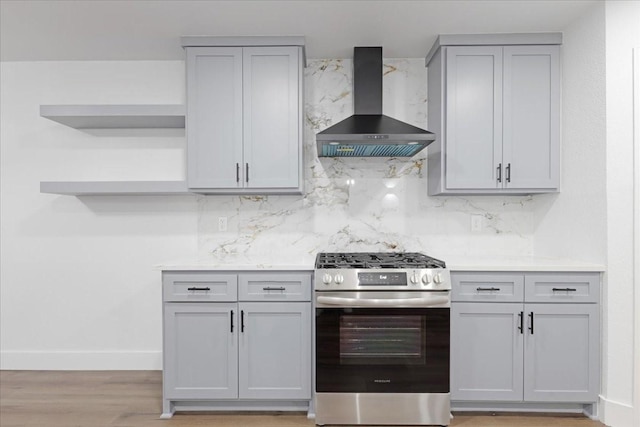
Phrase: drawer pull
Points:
(564, 289)
(199, 289)
(492, 289)
(268, 288)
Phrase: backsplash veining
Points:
(352, 204)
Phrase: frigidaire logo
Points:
(381, 381)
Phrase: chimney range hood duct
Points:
(369, 133)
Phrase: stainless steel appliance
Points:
(382, 339)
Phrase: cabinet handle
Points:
(231, 321)
(508, 171)
(237, 172)
(499, 168)
(268, 288)
(564, 289)
(241, 320)
(521, 317)
(491, 289)
(531, 324)
(199, 289)
(247, 168)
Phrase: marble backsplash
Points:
(361, 204)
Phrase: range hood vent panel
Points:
(369, 133)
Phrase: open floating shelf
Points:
(116, 116)
(105, 188)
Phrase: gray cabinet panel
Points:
(274, 287)
(214, 116)
(474, 118)
(275, 351)
(200, 351)
(486, 352)
(195, 286)
(562, 287)
(531, 116)
(271, 116)
(561, 353)
(487, 287)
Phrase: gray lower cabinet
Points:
(521, 338)
(236, 341)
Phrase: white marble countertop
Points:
(519, 263)
(454, 263)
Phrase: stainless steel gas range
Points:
(382, 339)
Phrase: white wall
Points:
(78, 286)
(78, 289)
(622, 35)
(572, 223)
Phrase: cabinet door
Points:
(200, 351)
(272, 81)
(486, 351)
(531, 137)
(214, 117)
(562, 353)
(275, 350)
(473, 129)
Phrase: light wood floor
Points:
(133, 398)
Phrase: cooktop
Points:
(376, 260)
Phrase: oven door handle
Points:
(432, 301)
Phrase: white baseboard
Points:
(616, 414)
(81, 360)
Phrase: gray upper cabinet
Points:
(495, 109)
(244, 116)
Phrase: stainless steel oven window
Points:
(382, 340)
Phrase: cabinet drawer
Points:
(562, 287)
(194, 286)
(487, 287)
(274, 287)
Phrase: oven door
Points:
(382, 342)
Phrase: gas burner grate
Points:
(376, 260)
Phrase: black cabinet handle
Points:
(231, 321)
(268, 288)
(521, 317)
(499, 168)
(491, 289)
(199, 289)
(508, 171)
(531, 324)
(237, 172)
(564, 289)
(241, 320)
(247, 168)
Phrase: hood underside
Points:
(369, 133)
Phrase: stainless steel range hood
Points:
(369, 133)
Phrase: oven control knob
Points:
(326, 278)
(426, 279)
(414, 278)
(437, 278)
(338, 279)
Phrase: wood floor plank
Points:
(134, 399)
